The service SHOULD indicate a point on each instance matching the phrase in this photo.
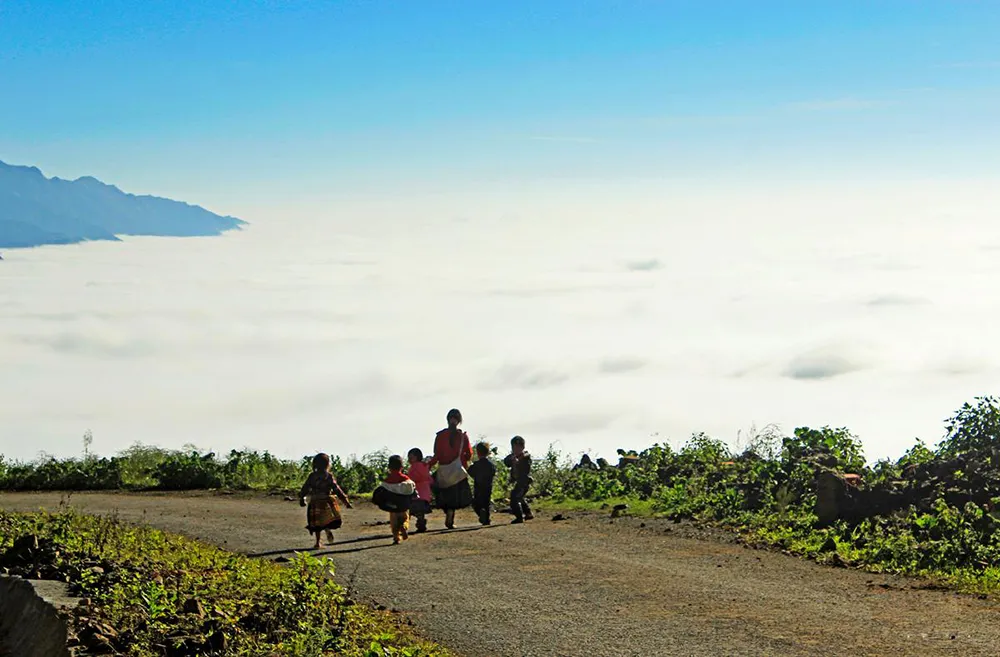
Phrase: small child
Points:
(519, 462)
(395, 496)
(420, 473)
(321, 492)
(482, 472)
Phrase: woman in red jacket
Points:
(452, 453)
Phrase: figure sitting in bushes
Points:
(627, 458)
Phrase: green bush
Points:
(974, 428)
(189, 471)
(151, 593)
(141, 467)
(361, 476)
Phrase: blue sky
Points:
(227, 100)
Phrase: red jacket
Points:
(445, 452)
(396, 478)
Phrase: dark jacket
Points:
(482, 473)
(395, 496)
(520, 469)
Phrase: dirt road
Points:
(586, 585)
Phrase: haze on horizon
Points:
(645, 218)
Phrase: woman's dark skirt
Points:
(419, 506)
(458, 496)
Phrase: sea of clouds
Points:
(587, 321)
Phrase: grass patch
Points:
(146, 593)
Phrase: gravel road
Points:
(586, 585)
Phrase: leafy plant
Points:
(149, 592)
(973, 428)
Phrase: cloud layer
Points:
(359, 331)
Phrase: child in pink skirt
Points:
(420, 473)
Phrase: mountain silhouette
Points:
(35, 210)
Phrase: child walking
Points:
(395, 496)
(519, 462)
(321, 492)
(482, 473)
(420, 473)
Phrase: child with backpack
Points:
(395, 495)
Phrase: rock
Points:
(217, 641)
(840, 562)
(55, 593)
(194, 607)
(557, 517)
(29, 626)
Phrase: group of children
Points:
(403, 494)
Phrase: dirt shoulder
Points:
(585, 585)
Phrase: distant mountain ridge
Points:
(35, 210)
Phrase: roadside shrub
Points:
(151, 593)
(973, 428)
(189, 471)
(359, 476)
(253, 470)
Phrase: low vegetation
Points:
(143, 467)
(144, 592)
(935, 511)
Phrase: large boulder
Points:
(838, 497)
(29, 626)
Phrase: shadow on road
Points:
(384, 545)
(363, 539)
(273, 553)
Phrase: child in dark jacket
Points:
(395, 495)
(519, 462)
(482, 473)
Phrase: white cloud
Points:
(622, 365)
(823, 364)
(360, 330)
(895, 300)
(651, 264)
